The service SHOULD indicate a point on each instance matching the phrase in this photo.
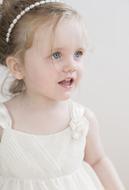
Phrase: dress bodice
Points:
(43, 156)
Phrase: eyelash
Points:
(56, 53)
(80, 52)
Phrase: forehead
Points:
(67, 33)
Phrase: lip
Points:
(67, 78)
(69, 86)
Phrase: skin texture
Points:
(38, 61)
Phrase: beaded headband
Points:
(27, 9)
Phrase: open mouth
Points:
(67, 83)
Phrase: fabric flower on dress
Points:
(78, 128)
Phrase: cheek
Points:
(80, 71)
(79, 75)
(38, 75)
(33, 75)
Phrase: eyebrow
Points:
(59, 48)
(64, 49)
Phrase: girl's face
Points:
(53, 67)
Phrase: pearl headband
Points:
(27, 9)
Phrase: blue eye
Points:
(56, 56)
(78, 54)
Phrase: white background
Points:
(105, 86)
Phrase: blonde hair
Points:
(21, 37)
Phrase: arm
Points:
(96, 157)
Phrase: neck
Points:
(35, 102)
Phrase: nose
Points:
(70, 66)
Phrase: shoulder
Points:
(88, 113)
(93, 149)
(77, 107)
(92, 118)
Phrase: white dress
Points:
(49, 161)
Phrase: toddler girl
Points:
(47, 140)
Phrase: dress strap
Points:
(79, 122)
(5, 119)
(78, 110)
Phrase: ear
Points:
(15, 67)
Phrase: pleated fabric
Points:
(46, 161)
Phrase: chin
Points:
(66, 97)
